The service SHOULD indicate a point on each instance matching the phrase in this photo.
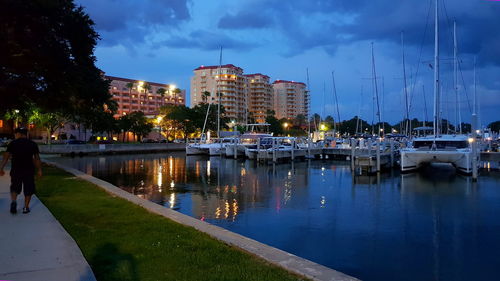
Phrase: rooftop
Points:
(287, 82)
(217, 66)
(135, 81)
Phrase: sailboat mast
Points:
(474, 105)
(219, 72)
(359, 111)
(336, 101)
(407, 107)
(455, 75)
(425, 105)
(309, 105)
(376, 89)
(437, 115)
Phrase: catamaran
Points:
(452, 149)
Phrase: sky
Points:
(165, 40)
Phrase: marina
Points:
(365, 226)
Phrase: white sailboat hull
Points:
(413, 159)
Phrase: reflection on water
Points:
(433, 225)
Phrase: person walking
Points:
(25, 158)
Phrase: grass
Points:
(122, 241)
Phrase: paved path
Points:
(35, 246)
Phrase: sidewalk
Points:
(35, 246)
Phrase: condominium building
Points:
(230, 82)
(259, 95)
(290, 99)
(134, 95)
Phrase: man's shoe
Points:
(13, 207)
(26, 210)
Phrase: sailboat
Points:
(217, 146)
(453, 149)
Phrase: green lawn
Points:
(122, 241)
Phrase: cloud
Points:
(125, 22)
(323, 23)
(245, 20)
(205, 40)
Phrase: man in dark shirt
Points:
(25, 158)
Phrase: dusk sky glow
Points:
(163, 41)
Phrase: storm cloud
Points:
(310, 24)
(128, 22)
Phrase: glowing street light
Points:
(158, 121)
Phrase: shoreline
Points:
(274, 256)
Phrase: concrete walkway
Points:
(35, 246)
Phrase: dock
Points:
(85, 149)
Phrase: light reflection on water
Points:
(433, 225)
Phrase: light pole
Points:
(158, 121)
(285, 126)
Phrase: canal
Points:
(431, 225)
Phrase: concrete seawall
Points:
(82, 149)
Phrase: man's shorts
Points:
(25, 182)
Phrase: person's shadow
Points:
(110, 264)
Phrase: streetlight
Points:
(231, 125)
(285, 125)
(158, 121)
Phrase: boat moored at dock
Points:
(453, 149)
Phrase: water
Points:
(433, 225)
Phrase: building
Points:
(290, 99)
(134, 95)
(231, 83)
(259, 96)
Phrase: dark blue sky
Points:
(163, 41)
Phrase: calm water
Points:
(434, 225)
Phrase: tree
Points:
(329, 122)
(274, 124)
(349, 126)
(494, 126)
(140, 124)
(182, 118)
(200, 114)
(125, 125)
(315, 119)
(161, 92)
(48, 121)
(204, 96)
(146, 87)
(176, 91)
(47, 58)
(300, 121)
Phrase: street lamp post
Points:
(285, 126)
(158, 121)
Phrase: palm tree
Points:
(130, 86)
(204, 96)
(146, 87)
(161, 92)
(176, 91)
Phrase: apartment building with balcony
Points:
(290, 99)
(229, 81)
(259, 96)
(134, 95)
